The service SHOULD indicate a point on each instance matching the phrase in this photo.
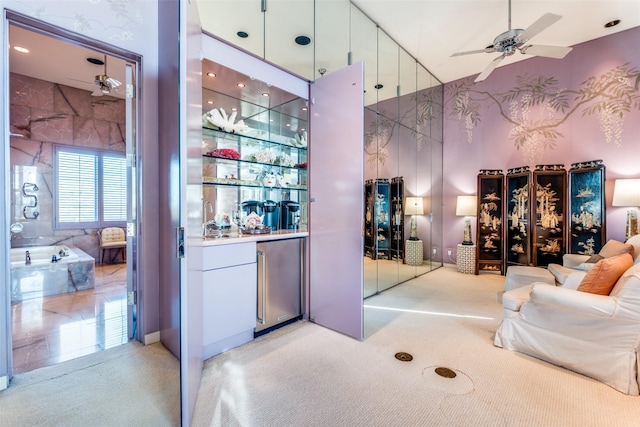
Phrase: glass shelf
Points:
(254, 141)
(223, 160)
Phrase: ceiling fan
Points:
(513, 40)
(105, 84)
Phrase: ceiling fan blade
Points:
(113, 82)
(483, 75)
(541, 24)
(485, 50)
(557, 52)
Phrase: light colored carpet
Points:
(306, 375)
(129, 385)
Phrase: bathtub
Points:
(41, 255)
(73, 271)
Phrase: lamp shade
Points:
(413, 206)
(467, 206)
(626, 192)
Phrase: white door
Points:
(190, 135)
(336, 167)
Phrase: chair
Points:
(595, 335)
(112, 238)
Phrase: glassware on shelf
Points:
(238, 219)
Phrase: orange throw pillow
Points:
(603, 276)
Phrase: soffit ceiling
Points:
(431, 30)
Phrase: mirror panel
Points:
(364, 46)
(224, 19)
(388, 159)
(331, 36)
(407, 77)
(288, 25)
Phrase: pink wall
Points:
(604, 68)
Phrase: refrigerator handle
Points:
(302, 247)
(262, 261)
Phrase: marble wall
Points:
(43, 114)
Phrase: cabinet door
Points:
(229, 298)
(335, 217)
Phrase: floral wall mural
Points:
(546, 111)
(536, 107)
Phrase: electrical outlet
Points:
(449, 251)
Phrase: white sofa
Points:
(595, 335)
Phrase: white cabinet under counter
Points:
(229, 293)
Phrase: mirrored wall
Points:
(402, 182)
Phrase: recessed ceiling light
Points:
(303, 40)
(95, 61)
(240, 84)
(612, 23)
(21, 49)
(288, 125)
(304, 108)
(209, 102)
(242, 34)
(234, 109)
(265, 94)
(211, 74)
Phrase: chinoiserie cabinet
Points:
(377, 232)
(396, 194)
(550, 214)
(490, 247)
(518, 216)
(587, 232)
(384, 218)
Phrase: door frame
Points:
(49, 30)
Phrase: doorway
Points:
(72, 174)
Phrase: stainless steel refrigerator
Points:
(280, 273)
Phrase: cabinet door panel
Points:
(335, 217)
(550, 188)
(518, 218)
(490, 247)
(229, 302)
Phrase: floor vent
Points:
(445, 372)
(404, 357)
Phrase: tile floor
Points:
(58, 328)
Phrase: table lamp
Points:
(413, 206)
(467, 206)
(626, 193)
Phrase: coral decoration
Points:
(264, 156)
(225, 153)
(220, 119)
(301, 140)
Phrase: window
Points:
(91, 188)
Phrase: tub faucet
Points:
(27, 257)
